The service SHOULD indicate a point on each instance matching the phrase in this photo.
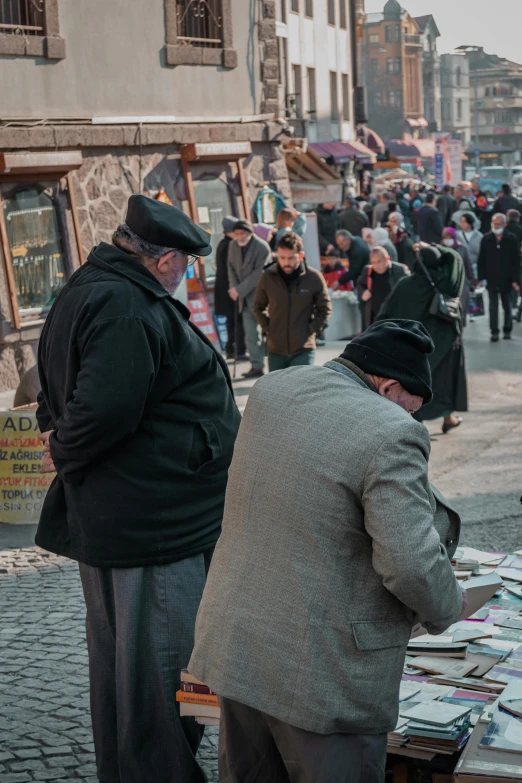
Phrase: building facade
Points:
(496, 105)
(85, 122)
(456, 96)
(392, 57)
(431, 77)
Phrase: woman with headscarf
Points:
(449, 239)
(412, 298)
(401, 240)
(471, 236)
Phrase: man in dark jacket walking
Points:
(506, 201)
(429, 222)
(292, 306)
(139, 421)
(376, 281)
(352, 219)
(446, 205)
(357, 252)
(499, 267)
(223, 304)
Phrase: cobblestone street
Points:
(45, 729)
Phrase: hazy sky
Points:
(494, 24)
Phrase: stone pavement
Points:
(44, 717)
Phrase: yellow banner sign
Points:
(22, 487)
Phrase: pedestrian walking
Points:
(449, 239)
(352, 219)
(381, 238)
(139, 421)
(513, 225)
(327, 225)
(470, 236)
(499, 269)
(447, 205)
(429, 222)
(377, 280)
(292, 306)
(356, 251)
(247, 257)
(380, 209)
(312, 592)
(401, 241)
(223, 304)
(413, 298)
(506, 201)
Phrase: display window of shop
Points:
(35, 244)
(215, 199)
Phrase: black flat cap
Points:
(165, 225)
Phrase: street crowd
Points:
(282, 558)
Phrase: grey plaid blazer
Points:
(334, 544)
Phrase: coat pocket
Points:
(381, 635)
(206, 446)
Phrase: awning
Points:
(341, 152)
(371, 139)
(416, 148)
(419, 122)
(312, 181)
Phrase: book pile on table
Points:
(197, 700)
(438, 726)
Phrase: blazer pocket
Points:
(381, 635)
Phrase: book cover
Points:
(196, 698)
(436, 713)
(503, 733)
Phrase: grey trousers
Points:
(255, 748)
(140, 634)
(253, 338)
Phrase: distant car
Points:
(491, 179)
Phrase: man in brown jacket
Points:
(292, 305)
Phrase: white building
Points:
(315, 55)
(456, 96)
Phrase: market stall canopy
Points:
(371, 139)
(312, 181)
(341, 152)
(412, 148)
(394, 174)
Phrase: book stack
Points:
(197, 700)
(438, 726)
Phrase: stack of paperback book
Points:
(197, 700)
(438, 726)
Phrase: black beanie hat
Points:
(396, 349)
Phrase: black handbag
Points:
(447, 308)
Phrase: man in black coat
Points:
(357, 252)
(513, 225)
(376, 282)
(446, 205)
(429, 222)
(352, 219)
(223, 304)
(139, 421)
(506, 201)
(499, 267)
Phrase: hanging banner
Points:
(201, 316)
(22, 487)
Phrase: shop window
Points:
(36, 248)
(213, 203)
(199, 32)
(31, 28)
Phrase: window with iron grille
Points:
(342, 14)
(200, 22)
(331, 11)
(346, 97)
(30, 27)
(199, 32)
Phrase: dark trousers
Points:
(235, 334)
(277, 361)
(507, 306)
(140, 634)
(255, 748)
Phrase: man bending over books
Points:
(334, 546)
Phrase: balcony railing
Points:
(412, 40)
(22, 17)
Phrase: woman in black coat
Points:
(223, 304)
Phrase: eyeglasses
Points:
(191, 259)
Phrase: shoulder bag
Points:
(447, 308)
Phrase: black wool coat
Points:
(223, 304)
(143, 420)
(499, 263)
